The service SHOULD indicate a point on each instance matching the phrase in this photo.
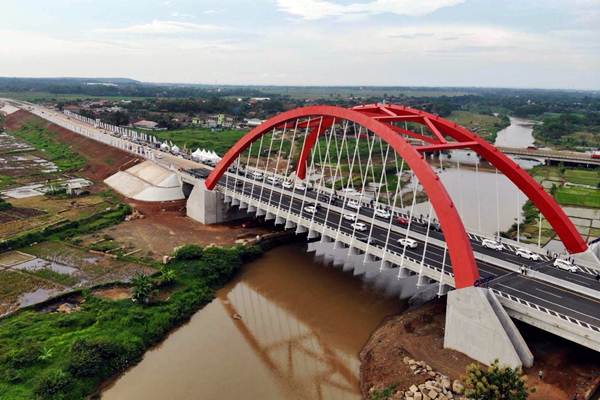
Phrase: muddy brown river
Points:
(286, 328)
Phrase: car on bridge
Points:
(257, 175)
(273, 180)
(528, 254)
(408, 242)
(402, 220)
(359, 226)
(382, 213)
(349, 217)
(350, 191)
(287, 185)
(365, 238)
(310, 209)
(353, 204)
(301, 186)
(492, 244)
(565, 265)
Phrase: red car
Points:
(402, 220)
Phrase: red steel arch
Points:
(463, 138)
(459, 247)
(378, 119)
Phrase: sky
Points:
(485, 43)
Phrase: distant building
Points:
(144, 124)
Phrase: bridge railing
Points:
(547, 311)
(299, 215)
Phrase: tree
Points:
(143, 288)
(496, 383)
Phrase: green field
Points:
(42, 139)
(51, 355)
(192, 138)
(574, 196)
(589, 177)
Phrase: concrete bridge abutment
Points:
(478, 326)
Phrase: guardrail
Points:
(546, 310)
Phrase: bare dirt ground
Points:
(159, 234)
(419, 333)
(102, 160)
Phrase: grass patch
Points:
(581, 197)
(69, 229)
(13, 283)
(193, 138)
(67, 356)
(589, 177)
(42, 139)
(6, 181)
(62, 279)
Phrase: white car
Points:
(492, 244)
(349, 191)
(287, 184)
(359, 226)
(408, 243)
(299, 186)
(310, 209)
(565, 265)
(353, 204)
(380, 212)
(273, 180)
(528, 254)
(257, 175)
(349, 217)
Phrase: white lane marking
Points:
(548, 293)
(548, 301)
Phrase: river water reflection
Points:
(301, 326)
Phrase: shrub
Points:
(495, 383)
(143, 288)
(189, 252)
(53, 384)
(96, 357)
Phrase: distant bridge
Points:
(554, 156)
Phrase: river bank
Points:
(568, 369)
(286, 327)
(67, 352)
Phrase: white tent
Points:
(165, 147)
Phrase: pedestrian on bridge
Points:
(523, 270)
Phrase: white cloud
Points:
(159, 27)
(316, 9)
(177, 14)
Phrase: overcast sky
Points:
(507, 43)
